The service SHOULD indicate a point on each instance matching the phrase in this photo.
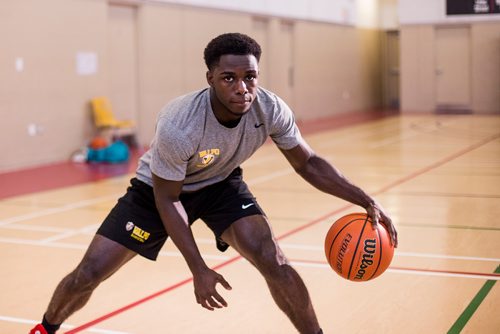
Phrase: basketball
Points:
(357, 251)
(98, 142)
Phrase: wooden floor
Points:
(438, 176)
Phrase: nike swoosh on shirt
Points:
(246, 206)
(258, 125)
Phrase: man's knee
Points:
(271, 261)
(85, 277)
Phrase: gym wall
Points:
(448, 62)
(58, 54)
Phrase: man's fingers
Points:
(217, 296)
(224, 283)
(377, 215)
(220, 300)
(387, 222)
(392, 232)
(394, 237)
(203, 303)
(207, 303)
(212, 301)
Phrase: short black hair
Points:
(230, 44)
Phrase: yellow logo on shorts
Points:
(139, 234)
(207, 157)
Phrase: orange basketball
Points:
(355, 250)
(98, 143)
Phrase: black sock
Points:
(50, 328)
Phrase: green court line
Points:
(473, 305)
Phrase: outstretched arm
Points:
(325, 177)
(174, 218)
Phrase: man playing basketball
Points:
(191, 172)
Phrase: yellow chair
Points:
(108, 126)
(104, 117)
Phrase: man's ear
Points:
(210, 78)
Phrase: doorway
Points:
(390, 76)
(453, 90)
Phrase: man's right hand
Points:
(205, 283)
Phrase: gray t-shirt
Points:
(191, 145)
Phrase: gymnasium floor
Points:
(437, 175)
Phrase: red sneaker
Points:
(38, 330)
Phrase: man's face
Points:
(234, 86)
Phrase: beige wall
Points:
(486, 67)
(336, 68)
(47, 35)
(418, 78)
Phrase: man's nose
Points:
(241, 87)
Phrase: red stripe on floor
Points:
(63, 174)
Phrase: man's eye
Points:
(250, 77)
(228, 79)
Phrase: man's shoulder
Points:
(186, 101)
(183, 114)
(185, 108)
(266, 96)
(270, 103)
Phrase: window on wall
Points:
(465, 7)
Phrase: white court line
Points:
(83, 230)
(397, 253)
(407, 271)
(285, 171)
(64, 326)
(80, 204)
(445, 274)
(282, 172)
(66, 245)
(448, 257)
(36, 228)
(223, 257)
(96, 200)
(393, 140)
(205, 256)
(18, 241)
(50, 211)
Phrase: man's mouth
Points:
(241, 101)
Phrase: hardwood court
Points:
(438, 176)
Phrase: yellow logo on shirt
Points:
(207, 157)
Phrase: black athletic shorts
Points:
(135, 222)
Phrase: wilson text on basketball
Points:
(367, 260)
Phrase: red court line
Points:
(62, 174)
(296, 230)
(143, 300)
(187, 280)
(438, 163)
